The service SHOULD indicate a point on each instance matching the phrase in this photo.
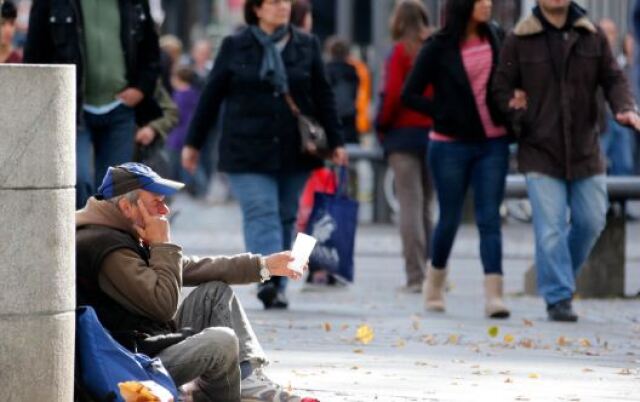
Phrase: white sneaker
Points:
(259, 388)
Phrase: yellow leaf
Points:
(453, 339)
(364, 334)
(563, 341)
(534, 375)
(493, 331)
(508, 338)
(584, 342)
(527, 323)
(327, 326)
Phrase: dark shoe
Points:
(280, 301)
(562, 311)
(267, 294)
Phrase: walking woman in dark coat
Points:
(468, 145)
(260, 147)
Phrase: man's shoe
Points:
(562, 311)
(433, 289)
(258, 388)
(267, 294)
(280, 301)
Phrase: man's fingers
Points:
(141, 231)
(143, 210)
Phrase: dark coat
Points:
(558, 132)
(56, 37)
(259, 131)
(453, 105)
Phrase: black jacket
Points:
(56, 36)
(453, 106)
(259, 131)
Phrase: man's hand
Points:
(630, 119)
(156, 228)
(131, 96)
(277, 264)
(145, 135)
(340, 157)
(519, 100)
(190, 157)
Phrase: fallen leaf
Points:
(508, 381)
(587, 370)
(344, 327)
(534, 375)
(584, 342)
(527, 343)
(563, 341)
(527, 323)
(508, 338)
(624, 371)
(493, 331)
(453, 339)
(358, 351)
(429, 339)
(327, 326)
(355, 368)
(400, 343)
(416, 325)
(364, 334)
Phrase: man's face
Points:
(554, 5)
(7, 30)
(154, 203)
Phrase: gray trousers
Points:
(414, 189)
(211, 357)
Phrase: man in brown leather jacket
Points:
(132, 274)
(549, 70)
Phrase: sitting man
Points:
(132, 274)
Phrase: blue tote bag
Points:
(104, 362)
(333, 223)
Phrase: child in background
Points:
(185, 96)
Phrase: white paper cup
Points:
(301, 251)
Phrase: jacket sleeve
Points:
(394, 76)
(163, 125)
(233, 270)
(148, 57)
(506, 80)
(213, 93)
(323, 98)
(152, 291)
(422, 74)
(39, 46)
(613, 81)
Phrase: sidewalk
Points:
(416, 356)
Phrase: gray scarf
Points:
(272, 67)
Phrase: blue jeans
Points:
(269, 204)
(568, 216)
(111, 137)
(617, 144)
(455, 166)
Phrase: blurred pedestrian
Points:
(404, 134)
(201, 61)
(260, 148)
(617, 141)
(114, 47)
(344, 82)
(185, 95)
(550, 67)
(171, 53)
(8, 16)
(468, 146)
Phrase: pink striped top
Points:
(477, 59)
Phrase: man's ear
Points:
(125, 207)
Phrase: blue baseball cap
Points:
(131, 176)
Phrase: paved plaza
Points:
(419, 356)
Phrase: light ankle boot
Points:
(433, 289)
(494, 305)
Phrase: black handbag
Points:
(313, 137)
(154, 155)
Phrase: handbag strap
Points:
(292, 105)
(343, 181)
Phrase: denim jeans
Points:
(111, 138)
(455, 166)
(568, 216)
(269, 204)
(617, 144)
(225, 339)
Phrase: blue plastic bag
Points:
(333, 223)
(104, 362)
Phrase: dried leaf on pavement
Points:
(563, 341)
(453, 339)
(326, 326)
(584, 342)
(534, 375)
(508, 338)
(527, 323)
(493, 331)
(364, 334)
(358, 351)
